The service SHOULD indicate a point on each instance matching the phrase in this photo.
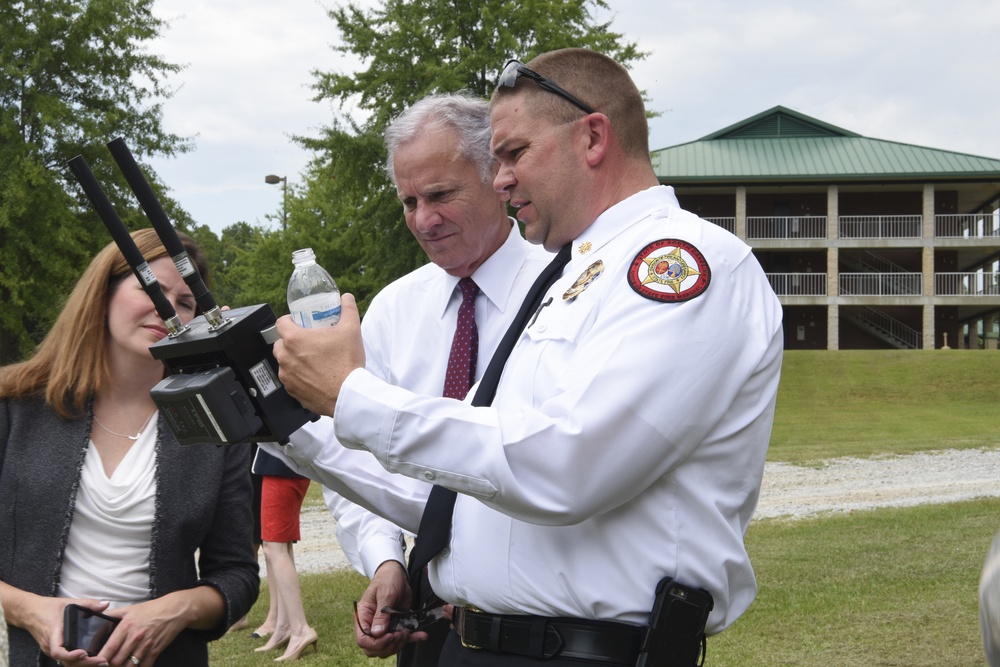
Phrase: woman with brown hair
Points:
(99, 504)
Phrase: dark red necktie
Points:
(461, 373)
(458, 378)
(435, 524)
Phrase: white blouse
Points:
(107, 553)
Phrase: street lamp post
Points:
(272, 179)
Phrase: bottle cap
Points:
(303, 255)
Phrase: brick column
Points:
(833, 294)
(832, 268)
(741, 212)
(928, 211)
(928, 337)
(833, 327)
(927, 266)
(832, 212)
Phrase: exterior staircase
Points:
(883, 327)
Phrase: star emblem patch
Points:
(669, 270)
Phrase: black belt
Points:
(542, 638)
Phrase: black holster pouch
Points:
(676, 635)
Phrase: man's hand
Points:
(313, 363)
(388, 588)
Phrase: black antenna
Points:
(127, 246)
(165, 230)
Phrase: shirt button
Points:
(541, 328)
(429, 475)
(445, 552)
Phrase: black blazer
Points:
(202, 531)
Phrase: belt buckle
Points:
(461, 627)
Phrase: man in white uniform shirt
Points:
(440, 163)
(627, 438)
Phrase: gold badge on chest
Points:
(590, 274)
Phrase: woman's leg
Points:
(267, 627)
(302, 635)
(276, 561)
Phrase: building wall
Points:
(709, 206)
(814, 203)
(907, 259)
(946, 322)
(881, 203)
(808, 322)
(786, 203)
(802, 261)
(828, 326)
(946, 261)
(945, 201)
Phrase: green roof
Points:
(784, 145)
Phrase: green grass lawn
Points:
(865, 403)
(327, 599)
(892, 587)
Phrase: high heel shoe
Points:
(295, 652)
(259, 635)
(275, 646)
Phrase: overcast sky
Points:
(923, 72)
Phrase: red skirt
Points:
(280, 503)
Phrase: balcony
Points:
(880, 226)
(786, 227)
(881, 284)
(886, 284)
(967, 284)
(968, 226)
(815, 227)
(798, 284)
(885, 327)
(729, 224)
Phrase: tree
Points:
(74, 74)
(413, 48)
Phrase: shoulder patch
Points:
(669, 270)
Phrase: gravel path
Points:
(893, 481)
(788, 491)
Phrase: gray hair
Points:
(467, 115)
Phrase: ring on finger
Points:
(135, 660)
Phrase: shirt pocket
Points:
(560, 321)
(551, 341)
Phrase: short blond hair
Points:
(598, 81)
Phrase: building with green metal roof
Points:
(868, 243)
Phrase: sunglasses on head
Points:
(515, 68)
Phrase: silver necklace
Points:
(133, 438)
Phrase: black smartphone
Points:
(86, 629)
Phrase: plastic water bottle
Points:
(313, 297)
